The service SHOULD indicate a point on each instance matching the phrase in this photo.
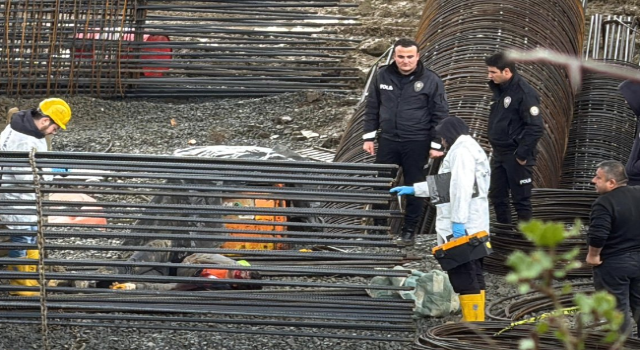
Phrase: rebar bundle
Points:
(167, 208)
(158, 48)
(611, 38)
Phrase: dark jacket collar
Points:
(23, 122)
(498, 89)
(416, 73)
(631, 92)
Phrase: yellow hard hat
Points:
(56, 109)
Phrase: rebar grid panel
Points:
(611, 38)
(603, 128)
(455, 38)
(57, 47)
(162, 211)
(153, 48)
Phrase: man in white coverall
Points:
(466, 212)
(26, 131)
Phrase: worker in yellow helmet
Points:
(26, 131)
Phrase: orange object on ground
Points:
(215, 273)
(76, 197)
(262, 203)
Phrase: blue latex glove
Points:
(403, 190)
(60, 170)
(458, 230)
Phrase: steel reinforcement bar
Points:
(148, 48)
(156, 222)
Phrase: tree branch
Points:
(574, 65)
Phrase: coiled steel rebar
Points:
(482, 336)
(454, 39)
(456, 36)
(563, 206)
(603, 128)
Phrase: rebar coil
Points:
(603, 128)
(521, 306)
(456, 36)
(481, 336)
(563, 206)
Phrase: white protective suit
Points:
(468, 164)
(11, 140)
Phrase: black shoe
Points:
(407, 237)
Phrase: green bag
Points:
(432, 292)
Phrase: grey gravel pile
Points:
(161, 126)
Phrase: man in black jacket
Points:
(405, 102)
(631, 92)
(614, 242)
(515, 126)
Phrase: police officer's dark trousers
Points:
(411, 156)
(620, 276)
(508, 176)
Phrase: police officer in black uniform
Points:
(405, 102)
(515, 126)
(631, 92)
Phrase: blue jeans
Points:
(22, 239)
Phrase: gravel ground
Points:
(161, 127)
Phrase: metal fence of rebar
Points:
(159, 209)
(157, 48)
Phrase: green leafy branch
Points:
(538, 270)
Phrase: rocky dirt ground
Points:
(160, 127)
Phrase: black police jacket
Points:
(631, 92)
(405, 107)
(515, 122)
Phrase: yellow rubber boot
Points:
(472, 307)
(31, 254)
